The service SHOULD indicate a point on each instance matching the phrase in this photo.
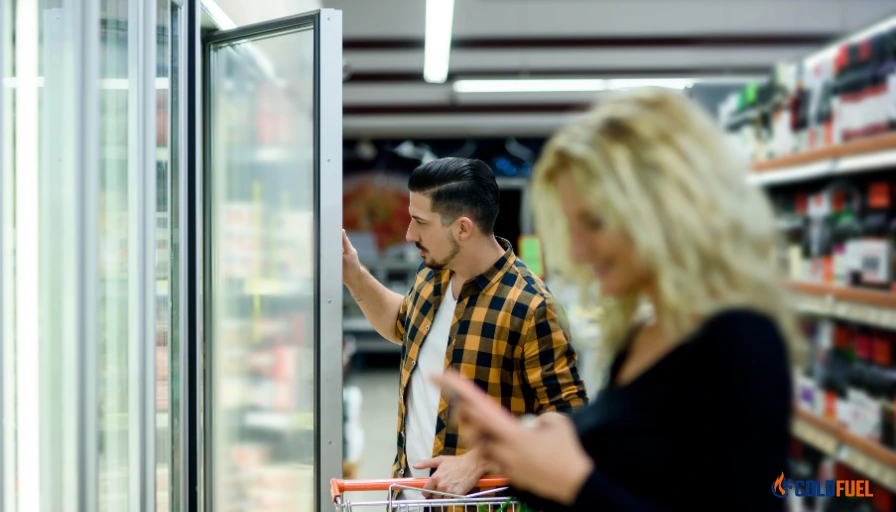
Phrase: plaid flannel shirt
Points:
(508, 335)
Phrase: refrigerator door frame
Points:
(328, 420)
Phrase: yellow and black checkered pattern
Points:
(509, 336)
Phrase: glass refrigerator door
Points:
(273, 321)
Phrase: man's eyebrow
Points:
(418, 218)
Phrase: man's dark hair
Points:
(459, 187)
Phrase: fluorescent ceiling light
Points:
(669, 83)
(439, 19)
(573, 85)
(217, 15)
(567, 85)
(220, 18)
(118, 84)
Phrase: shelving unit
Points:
(865, 456)
(862, 155)
(869, 307)
(357, 324)
(387, 271)
(280, 421)
(835, 209)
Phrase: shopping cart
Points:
(485, 501)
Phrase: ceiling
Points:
(385, 93)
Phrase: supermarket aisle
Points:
(379, 410)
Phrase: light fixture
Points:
(668, 83)
(223, 21)
(437, 50)
(567, 85)
(525, 85)
(217, 15)
(584, 84)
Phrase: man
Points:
(474, 307)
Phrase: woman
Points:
(696, 411)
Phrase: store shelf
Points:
(274, 287)
(367, 340)
(882, 299)
(868, 307)
(797, 173)
(865, 456)
(281, 421)
(357, 324)
(861, 155)
(111, 153)
(375, 344)
(391, 264)
(271, 155)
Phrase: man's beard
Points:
(439, 265)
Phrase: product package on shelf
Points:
(242, 239)
(842, 234)
(851, 378)
(821, 482)
(295, 252)
(844, 94)
(877, 240)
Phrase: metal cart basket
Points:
(484, 501)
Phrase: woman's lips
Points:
(602, 269)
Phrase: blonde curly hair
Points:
(658, 169)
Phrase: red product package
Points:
(882, 500)
(883, 349)
(879, 194)
(862, 344)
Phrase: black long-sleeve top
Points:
(706, 427)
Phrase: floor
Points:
(379, 386)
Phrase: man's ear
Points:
(465, 228)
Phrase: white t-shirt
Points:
(424, 396)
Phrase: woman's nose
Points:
(579, 252)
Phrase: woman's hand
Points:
(545, 458)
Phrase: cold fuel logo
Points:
(781, 486)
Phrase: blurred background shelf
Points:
(863, 296)
(862, 155)
(357, 324)
(863, 455)
(280, 421)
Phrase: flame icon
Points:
(777, 488)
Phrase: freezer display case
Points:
(170, 279)
(273, 268)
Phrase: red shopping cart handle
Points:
(339, 486)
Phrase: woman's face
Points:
(610, 254)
